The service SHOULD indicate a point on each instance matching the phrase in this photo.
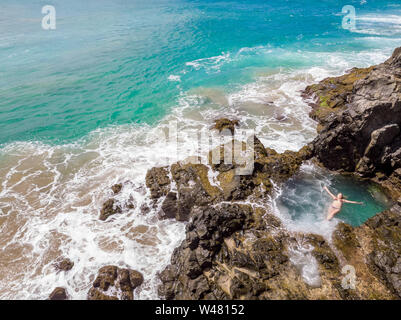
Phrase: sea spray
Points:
(301, 257)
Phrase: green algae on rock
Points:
(331, 95)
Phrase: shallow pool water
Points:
(304, 202)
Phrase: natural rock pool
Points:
(303, 202)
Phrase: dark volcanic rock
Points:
(121, 282)
(204, 238)
(229, 253)
(362, 132)
(109, 208)
(238, 251)
(234, 251)
(224, 123)
(136, 278)
(58, 294)
(385, 258)
(117, 188)
(268, 165)
(374, 249)
(158, 181)
(332, 95)
(359, 118)
(64, 264)
(170, 205)
(193, 188)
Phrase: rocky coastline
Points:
(236, 251)
(359, 116)
(234, 248)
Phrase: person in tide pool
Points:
(337, 204)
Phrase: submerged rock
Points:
(113, 283)
(117, 205)
(117, 188)
(224, 123)
(58, 294)
(64, 264)
(109, 208)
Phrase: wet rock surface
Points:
(116, 205)
(64, 264)
(241, 260)
(225, 124)
(114, 283)
(58, 294)
(204, 238)
(207, 265)
(117, 188)
(109, 208)
(158, 182)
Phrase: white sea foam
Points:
(173, 77)
(211, 63)
(390, 19)
(302, 258)
(52, 196)
(378, 24)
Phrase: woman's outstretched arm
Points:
(355, 202)
(328, 191)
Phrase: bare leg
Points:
(332, 212)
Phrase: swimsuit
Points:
(334, 207)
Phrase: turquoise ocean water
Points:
(109, 62)
(80, 107)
